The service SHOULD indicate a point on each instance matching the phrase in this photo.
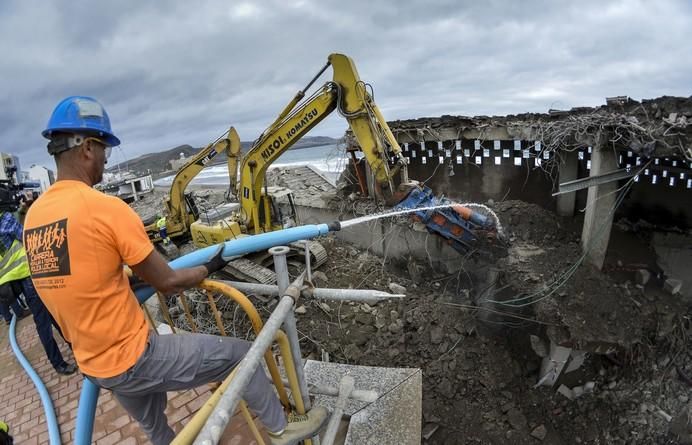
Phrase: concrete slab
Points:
(395, 417)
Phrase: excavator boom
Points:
(179, 217)
(349, 95)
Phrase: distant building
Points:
(43, 175)
(177, 163)
(9, 163)
(127, 186)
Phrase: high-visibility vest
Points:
(13, 263)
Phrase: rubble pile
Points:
(481, 388)
(582, 307)
(479, 385)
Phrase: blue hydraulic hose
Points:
(86, 411)
(51, 420)
(242, 246)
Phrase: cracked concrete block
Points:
(578, 358)
(672, 286)
(552, 366)
(395, 417)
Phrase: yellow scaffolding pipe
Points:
(190, 431)
(257, 324)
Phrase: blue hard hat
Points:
(82, 115)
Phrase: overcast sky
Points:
(181, 72)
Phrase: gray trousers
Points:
(183, 361)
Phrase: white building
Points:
(43, 175)
(9, 162)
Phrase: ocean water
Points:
(327, 158)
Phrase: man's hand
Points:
(156, 271)
(217, 262)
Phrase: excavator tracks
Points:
(256, 268)
(318, 254)
(249, 271)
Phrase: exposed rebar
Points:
(360, 295)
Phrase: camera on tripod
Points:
(11, 190)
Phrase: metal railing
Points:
(209, 423)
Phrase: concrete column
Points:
(568, 172)
(598, 220)
(134, 191)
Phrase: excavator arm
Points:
(349, 95)
(179, 218)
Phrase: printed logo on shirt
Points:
(46, 249)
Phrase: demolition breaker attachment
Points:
(466, 227)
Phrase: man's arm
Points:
(155, 270)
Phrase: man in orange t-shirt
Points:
(77, 240)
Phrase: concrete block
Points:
(672, 286)
(565, 391)
(395, 417)
(578, 358)
(552, 366)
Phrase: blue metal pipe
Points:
(245, 245)
(238, 247)
(48, 411)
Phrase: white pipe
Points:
(282, 280)
(272, 290)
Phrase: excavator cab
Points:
(278, 204)
(277, 211)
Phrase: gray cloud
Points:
(171, 73)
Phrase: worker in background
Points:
(9, 300)
(163, 231)
(77, 241)
(14, 275)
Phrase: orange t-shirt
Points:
(77, 240)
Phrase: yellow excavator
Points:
(181, 209)
(256, 210)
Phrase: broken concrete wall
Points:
(517, 156)
(389, 239)
(479, 171)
